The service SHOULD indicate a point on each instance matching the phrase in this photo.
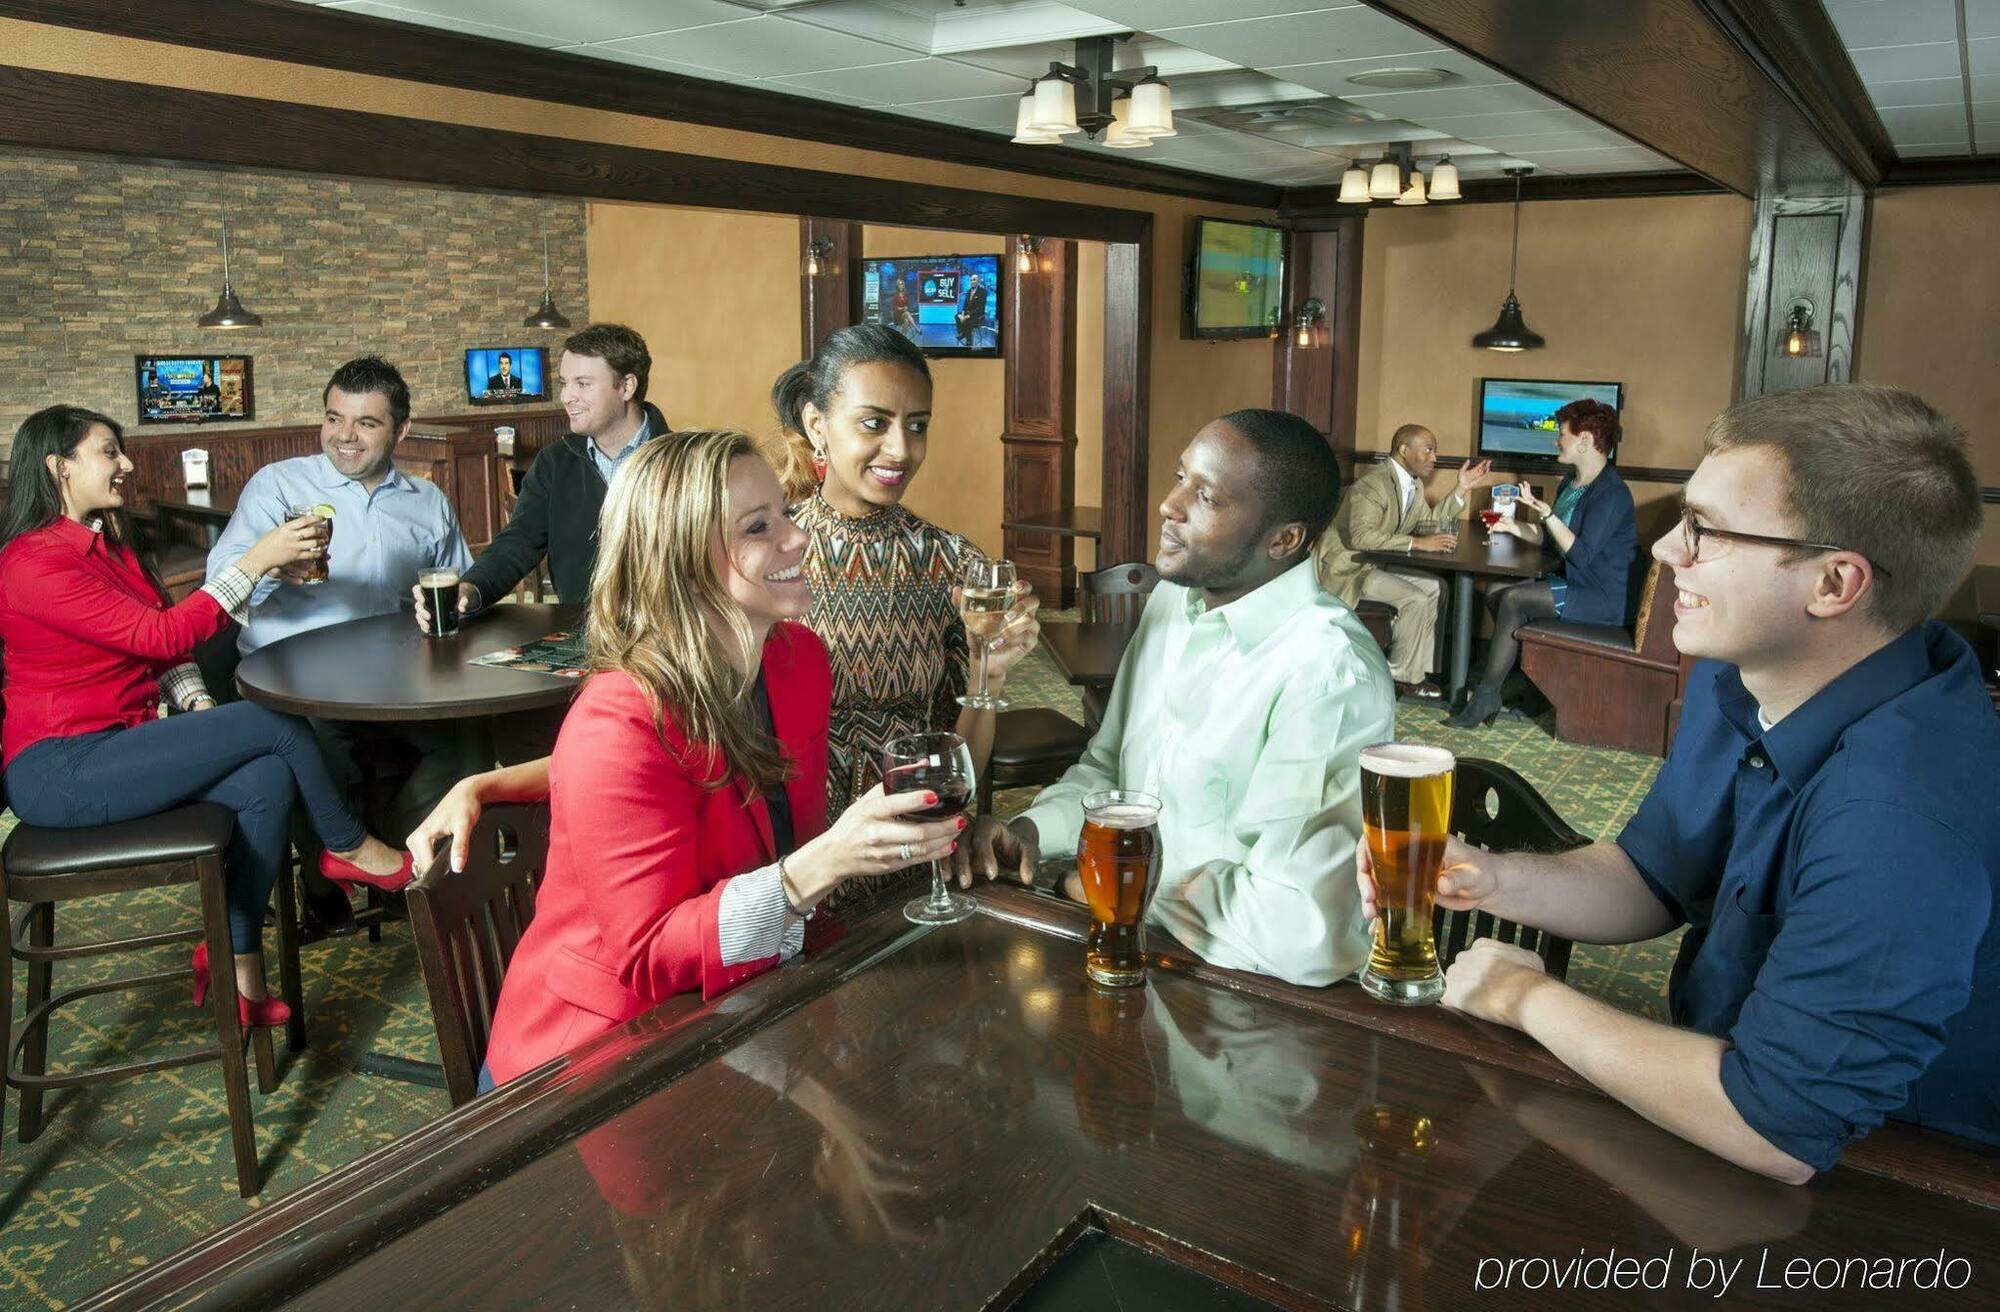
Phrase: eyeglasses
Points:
(1692, 534)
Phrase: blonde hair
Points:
(660, 611)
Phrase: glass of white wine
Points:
(986, 592)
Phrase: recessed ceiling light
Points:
(1403, 79)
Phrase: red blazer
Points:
(87, 635)
(638, 853)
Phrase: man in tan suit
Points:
(1389, 509)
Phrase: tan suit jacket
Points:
(1372, 518)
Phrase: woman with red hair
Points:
(1593, 526)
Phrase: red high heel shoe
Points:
(347, 874)
(262, 1014)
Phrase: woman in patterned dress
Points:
(882, 578)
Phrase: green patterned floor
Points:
(126, 1174)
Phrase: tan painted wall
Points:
(959, 486)
(716, 296)
(1191, 381)
(1930, 320)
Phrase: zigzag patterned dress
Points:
(882, 603)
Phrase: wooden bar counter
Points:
(929, 1119)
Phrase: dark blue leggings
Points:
(243, 756)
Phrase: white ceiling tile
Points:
(1982, 18)
(597, 20)
(463, 27)
(1517, 124)
(1352, 33)
(911, 81)
(993, 113)
(1532, 142)
(1983, 55)
(765, 47)
(1423, 106)
(1585, 161)
(1933, 149)
(897, 25)
(1925, 122)
(1985, 86)
(1154, 15)
(1917, 91)
(1863, 23)
(1331, 76)
(613, 54)
(1901, 63)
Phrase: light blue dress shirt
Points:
(380, 540)
(608, 465)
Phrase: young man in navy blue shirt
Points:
(1825, 827)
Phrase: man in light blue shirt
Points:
(1242, 703)
(386, 527)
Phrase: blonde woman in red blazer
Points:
(688, 837)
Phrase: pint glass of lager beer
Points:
(1406, 809)
(1118, 860)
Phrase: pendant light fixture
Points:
(546, 315)
(1025, 131)
(1444, 180)
(1120, 135)
(228, 311)
(1385, 180)
(1152, 109)
(1510, 331)
(1354, 185)
(1414, 193)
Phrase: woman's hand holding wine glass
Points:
(939, 767)
(877, 834)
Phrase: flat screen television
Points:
(1516, 418)
(947, 304)
(506, 375)
(1238, 279)
(193, 389)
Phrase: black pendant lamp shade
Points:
(546, 315)
(228, 311)
(1510, 331)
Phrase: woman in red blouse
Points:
(687, 792)
(88, 643)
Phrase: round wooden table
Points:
(383, 668)
(1479, 554)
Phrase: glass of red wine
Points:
(937, 763)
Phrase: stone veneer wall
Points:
(103, 259)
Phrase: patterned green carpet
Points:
(127, 1173)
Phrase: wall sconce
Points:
(1312, 312)
(1030, 252)
(1800, 337)
(818, 250)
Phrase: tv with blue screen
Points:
(947, 304)
(194, 389)
(506, 375)
(1238, 279)
(1517, 415)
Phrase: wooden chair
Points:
(1494, 808)
(1611, 687)
(467, 924)
(40, 868)
(1115, 594)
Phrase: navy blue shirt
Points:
(1839, 874)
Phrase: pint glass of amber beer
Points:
(1406, 809)
(1118, 860)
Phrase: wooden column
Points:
(1317, 381)
(1802, 248)
(1040, 412)
(827, 302)
(1128, 371)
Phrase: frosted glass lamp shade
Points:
(1385, 181)
(1152, 110)
(1055, 107)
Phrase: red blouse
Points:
(86, 635)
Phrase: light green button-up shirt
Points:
(1246, 722)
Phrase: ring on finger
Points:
(905, 852)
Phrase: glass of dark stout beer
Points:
(938, 763)
(440, 592)
(1118, 860)
(1406, 810)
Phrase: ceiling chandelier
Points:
(1129, 107)
(1396, 178)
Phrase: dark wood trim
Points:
(357, 43)
(1708, 103)
(1319, 382)
(1954, 171)
(1038, 410)
(828, 302)
(59, 111)
(1300, 202)
(1795, 43)
(1128, 370)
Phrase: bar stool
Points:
(40, 868)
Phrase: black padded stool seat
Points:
(1030, 746)
(179, 835)
(1597, 635)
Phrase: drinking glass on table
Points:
(937, 763)
(1118, 863)
(1406, 793)
(986, 592)
(315, 569)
